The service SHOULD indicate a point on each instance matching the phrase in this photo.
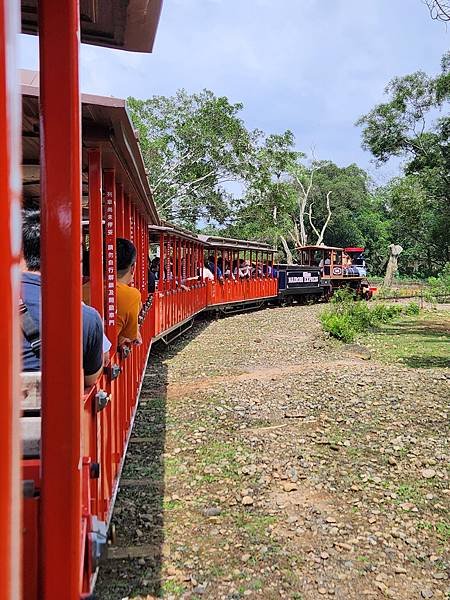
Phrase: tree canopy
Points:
(193, 145)
(209, 172)
(415, 125)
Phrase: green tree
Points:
(194, 146)
(407, 126)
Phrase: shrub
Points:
(339, 326)
(411, 309)
(440, 286)
(345, 318)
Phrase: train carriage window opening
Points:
(317, 256)
(92, 327)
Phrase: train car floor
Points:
(267, 463)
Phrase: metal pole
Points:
(96, 278)
(60, 118)
(10, 242)
(110, 246)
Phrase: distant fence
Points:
(424, 295)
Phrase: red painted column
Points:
(215, 264)
(119, 210)
(110, 250)
(10, 241)
(161, 285)
(144, 260)
(96, 230)
(59, 35)
(126, 217)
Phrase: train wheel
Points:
(112, 535)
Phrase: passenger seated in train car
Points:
(129, 302)
(30, 309)
(153, 275)
(257, 270)
(210, 263)
(325, 263)
(359, 264)
(270, 270)
(244, 269)
(228, 273)
(208, 275)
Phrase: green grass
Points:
(256, 526)
(172, 587)
(443, 530)
(171, 504)
(220, 455)
(418, 341)
(346, 318)
(408, 493)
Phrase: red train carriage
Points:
(246, 276)
(180, 292)
(116, 202)
(63, 561)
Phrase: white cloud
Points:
(307, 65)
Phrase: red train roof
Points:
(106, 124)
(121, 24)
(354, 249)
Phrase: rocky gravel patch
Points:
(268, 461)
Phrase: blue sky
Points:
(312, 66)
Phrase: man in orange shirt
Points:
(128, 298)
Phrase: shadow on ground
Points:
(421, 344)
(133, 564)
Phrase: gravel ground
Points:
(268, 461)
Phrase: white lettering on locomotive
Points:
(305, 278)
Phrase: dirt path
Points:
(266, 464)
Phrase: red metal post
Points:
(126, 217)
(110, 249)
(96, 230)
(136, 239)
(120, 228)
(59, 35)
(162, 259)
(144, 259)
(10, 241)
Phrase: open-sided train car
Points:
(71, 485)
(243, 273)
(116, 202)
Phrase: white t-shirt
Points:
(207, 274)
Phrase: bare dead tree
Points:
(301, 236)
(287, 250)
(439, 9)
(394, 252)
(299, 233)
(320, 235)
